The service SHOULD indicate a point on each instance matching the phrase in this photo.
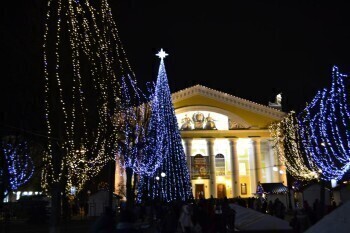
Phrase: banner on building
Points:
(200, 167)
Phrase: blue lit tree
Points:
(17, 166)
(324, 129)
(171, 181)
(132, 121)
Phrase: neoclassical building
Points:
(227, 142)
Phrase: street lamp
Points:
(275, 168)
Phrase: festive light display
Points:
(83, 61)
(18, 163)
(171, 181)
(290, 150)
(139, 146)
(324, 129)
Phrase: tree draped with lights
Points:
(290, 150)
(138, 130)
(132, 122)
(316, 142)
(171, 180)
(83, 62)
(17, 167)
(324, 129)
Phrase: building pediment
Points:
(243, 113)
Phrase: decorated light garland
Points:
(324, 129)
(171, 181)
(83, 62)
(290, 150)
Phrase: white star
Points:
(161, 54)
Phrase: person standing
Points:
(185, 219)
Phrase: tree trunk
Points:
(322, 198)
(55, 208)
(111, 177)
(129, 188)
(3, 177)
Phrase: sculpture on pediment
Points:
(186, 123)
(278, 100)
(198, 119)
(234, 125)
(210, 124)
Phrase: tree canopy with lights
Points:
(17, 166)
(324, 129)
(83, 62)
(290, 149)
(316, 142)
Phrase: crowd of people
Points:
(308, 215)
(201, 216)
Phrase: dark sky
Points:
(251, 49)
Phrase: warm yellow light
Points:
(220, 179)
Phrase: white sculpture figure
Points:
(210, 124)
(279, 99)
(198, 119)
(186, 123)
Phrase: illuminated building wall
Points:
(227, 142)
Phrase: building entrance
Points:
(199, 189)
(221, 191)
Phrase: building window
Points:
(220, 165)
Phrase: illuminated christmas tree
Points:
(171, 181)
(324, 129)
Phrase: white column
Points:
(234, 168)
(252, 168)
(274, 162)
(188, 149)
(268, 165)
(210, 144)
(257, 153)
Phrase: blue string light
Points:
(19, 164)
(171, 181)
(140, 145)
(324, 129)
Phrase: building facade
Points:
(227, 142)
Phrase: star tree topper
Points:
(162, 54)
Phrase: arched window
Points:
(220, 165)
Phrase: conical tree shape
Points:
(171, 181)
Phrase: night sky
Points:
(250, 49)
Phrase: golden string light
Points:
(289, 148)
(83, 62)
